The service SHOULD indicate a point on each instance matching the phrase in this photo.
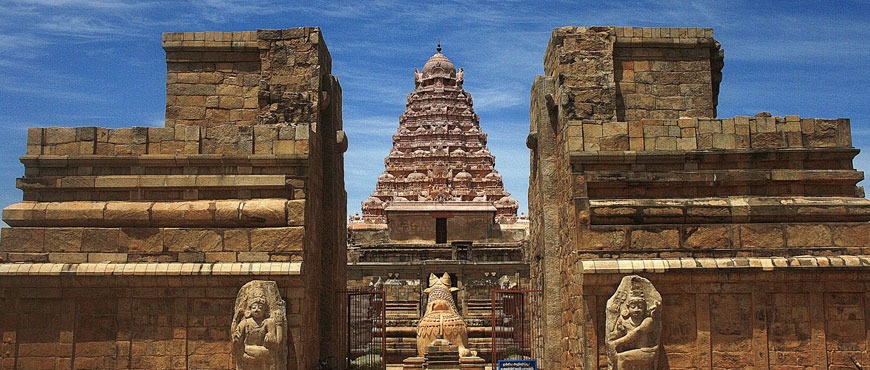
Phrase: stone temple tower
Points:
(439, 206)
(439, 160)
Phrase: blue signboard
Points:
(517, 364)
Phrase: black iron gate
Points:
(366, 330)
(516, 325)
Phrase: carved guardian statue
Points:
(633, 325)
(259, 328)
(441, 318)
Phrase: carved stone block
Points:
(441, 319)
(259, 327)
(633, 325)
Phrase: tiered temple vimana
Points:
(439, 206)
(659, 235)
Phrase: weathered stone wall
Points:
(326, 209)
(212, 77)
(114, 321)
(174, 163)
(232, 187)
(244, 78)
(419, 227)
(648, 174)
(741, 132)
(663, 73)
(798, 315)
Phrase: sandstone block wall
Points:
(166, 164)
(212, 77)
(795, 316)
(243, 77)
(637, 73)
(102, 321)
(624, 138)
(247, 171)
(663, 73)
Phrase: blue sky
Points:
(100, 63)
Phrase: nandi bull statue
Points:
(441, 318)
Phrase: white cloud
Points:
(113, 5)
(83, 27)
(493, 99)
(376, 126)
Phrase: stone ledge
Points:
(162, 182)
(161, 160)
(666, 36)
(250, 213)
(52, 244)
(727, 175)
(659, 265)
(209, 40)
(709, 155)
(142, 269)
(734, 209)
(223, 138)
(691, 134)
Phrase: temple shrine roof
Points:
(439, 152)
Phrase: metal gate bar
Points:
(366, 330)
(516, 324)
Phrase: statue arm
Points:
(614, 337)
(632, 335)
(273, 336)
(239, 332)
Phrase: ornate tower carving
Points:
(439, 152)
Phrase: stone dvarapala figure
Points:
(633, 325)
(259, 328)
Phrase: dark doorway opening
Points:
(440, 230)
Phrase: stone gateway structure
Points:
(751, 227)
(131, 244)
(661, 235)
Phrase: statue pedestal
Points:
(442, 355)
(413, 363)
(472, 363)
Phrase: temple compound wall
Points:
(131, 244)
(751, 228)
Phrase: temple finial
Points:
(438, 49)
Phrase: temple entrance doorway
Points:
(440, 230)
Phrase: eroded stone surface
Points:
(259, 327)
(633, 325)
